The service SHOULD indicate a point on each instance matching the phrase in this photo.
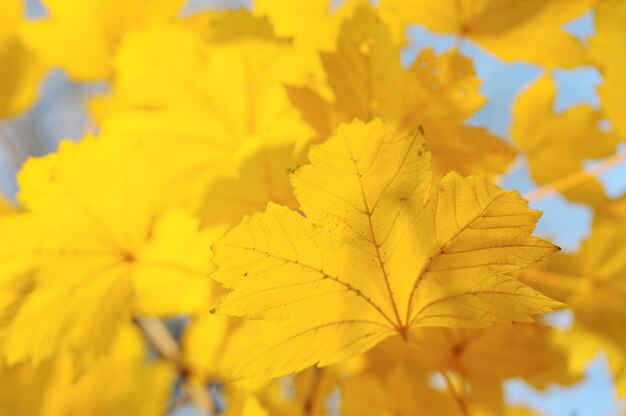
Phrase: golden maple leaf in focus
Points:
(376, 252)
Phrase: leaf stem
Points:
(161, 340)
(575, 179)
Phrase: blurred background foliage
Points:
(60, 111)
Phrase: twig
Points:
(166, 346)
(576, 178)
(15, 154)
(316, 381)
(459, 399)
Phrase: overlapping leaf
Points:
(575, 135)
(52, 389)
(261, 177)
(583, 346)
(89, 249)
(608, 51)
(438, 92)
(205, 103)
(592, 281)
(81, 36)
(20, 69)
(399, 393)
(530, 30)
(480, 360)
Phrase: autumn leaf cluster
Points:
(270, 213)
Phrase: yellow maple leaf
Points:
(376, 253)
(262, 177)
(90, 248)
(81, 36)
(204, 102)
(583, 346)
(232, 25)
(574, 135)
(140, 388)
(438, 92)
(608, 51)
(510, 29)
(237, 85)
(20, 69)
(299, 20)
(497, 353)
(478, 360)
(592, 281)
(23, 388)
(399, 393)
(212, 347)
(312, 25)
(199, 155)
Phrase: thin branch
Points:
(11, 149)
(575, 179)
(459, 399)
(166, 346)
(316, 381)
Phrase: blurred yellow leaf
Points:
(89, 249)
(494, 354)
(236, 86)
(400, 393)
(262, 177)
(479, 360)
(140, 388)
(592, 281)
(20, 69)
(204, 102)
(557, 144)
(530, 30)
(608, 52)
(312, 25)
(252, 407)
(304, 18)
(438, 92)
(81, 36)
(583, 346)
